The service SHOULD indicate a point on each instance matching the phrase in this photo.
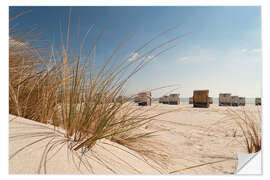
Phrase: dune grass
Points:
(249, 125)
(68, 91)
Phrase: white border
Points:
(4, 72)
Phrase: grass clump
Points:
(248, 122)
(68, 91)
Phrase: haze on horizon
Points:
(222, 53)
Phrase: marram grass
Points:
(67, 90)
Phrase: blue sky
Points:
(222, 53)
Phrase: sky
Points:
(219, 48)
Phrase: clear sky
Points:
(222, 53)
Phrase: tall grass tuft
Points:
(68, 91)
(249, 125)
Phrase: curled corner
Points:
(249, 163)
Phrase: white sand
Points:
(29, 160)
(193, 136)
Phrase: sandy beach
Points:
(197, 140)
(137, 90)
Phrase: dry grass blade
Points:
(198, 165)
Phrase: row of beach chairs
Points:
(200, 99)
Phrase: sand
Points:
(198, 141)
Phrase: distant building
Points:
(242, 101)
(174, 99)
(144, 98)
(258, 101)
(235, 101)
(225, 99)
(200, 98)
(165, 99)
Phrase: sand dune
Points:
(198, 141)
(29, 160)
